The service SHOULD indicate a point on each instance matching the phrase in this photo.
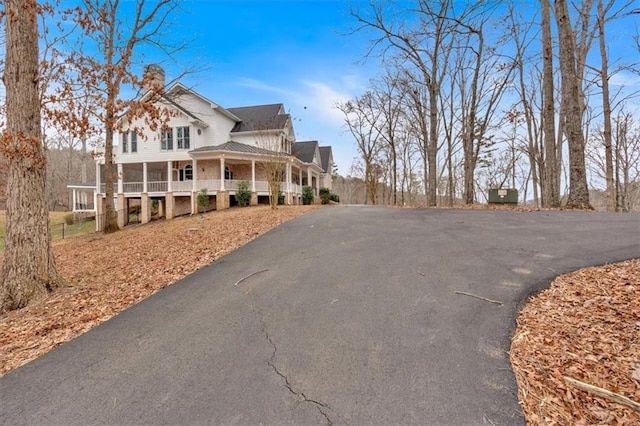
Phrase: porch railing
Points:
(187, 186)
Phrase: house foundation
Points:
(170, 205)
(99, 214)
(123, 211)
(222, 200)
(254, 199)
(145, 208)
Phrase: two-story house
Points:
(205, 146)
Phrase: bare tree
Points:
(29, 270)
(104, 63)
(424, 46)
(522, 40)
(274, 160)
(482, 77)
(387, 99)
(551, 170)
(360, 115)
(573, 101)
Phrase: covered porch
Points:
(173, 186)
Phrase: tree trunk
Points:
(28, 270)
(550, 178)
(606, 110)
(432, 152)
(578, 190)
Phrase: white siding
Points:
(149, 148)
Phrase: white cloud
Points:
(624, 79)
(312, 105)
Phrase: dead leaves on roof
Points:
(112, 272)
(586, 326)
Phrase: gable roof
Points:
(259, 117)
(304, 151)
(325, 156)
(173, 94)
(233, 146)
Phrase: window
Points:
(134, 142)
(124, 141)
(182, 134)
(166, 139)
(188, 172)
(228, 174)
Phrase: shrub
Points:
(325, 195)
(203, 199)
(243, 194)
(334, 197)
(280, 198)
(68, 219)
(307, 195)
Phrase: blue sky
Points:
(299, 53)
(290, 52)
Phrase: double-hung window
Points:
(134, 142)
(125, 142)
(182, 134)
(166, 139)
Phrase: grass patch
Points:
(59, 229)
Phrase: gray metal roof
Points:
(233, 146)
(325, 154)
(259, 117)
(304, 151)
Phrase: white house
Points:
(205, 146)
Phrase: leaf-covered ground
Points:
(585, 326)
(109, 273)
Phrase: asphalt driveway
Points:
(353, 315)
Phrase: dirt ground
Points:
(585, 327)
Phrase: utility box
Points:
(503, 196)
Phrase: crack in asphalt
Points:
(300, 395)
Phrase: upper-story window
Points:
(129, 142)
(166, 139)
(182, 135)
(134, 141)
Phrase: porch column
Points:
(288, 186)
(253, 175)
(288, 176)
(120, 178)
(98, 184)
(73, 196)
(194, 188)
(254, 193)
(222, 172)
(309, 178)
(194, 165)
(169, 176)
(144, 178)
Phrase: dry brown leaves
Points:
(586, 326)
(109, 273)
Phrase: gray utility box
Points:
(503, 196)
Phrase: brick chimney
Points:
(153, 78)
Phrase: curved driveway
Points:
(354, 316)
